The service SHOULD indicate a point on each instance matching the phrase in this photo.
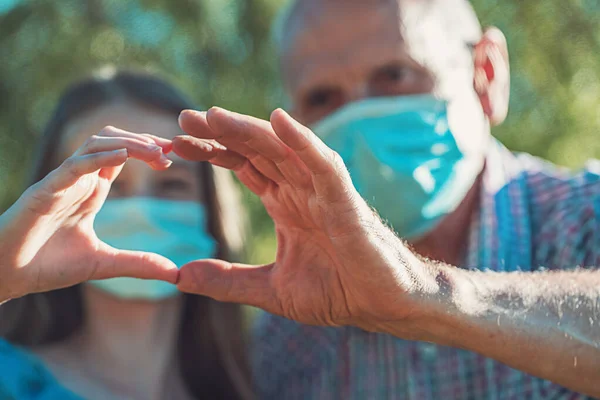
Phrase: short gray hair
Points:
(453, 14)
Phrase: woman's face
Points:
(179, 182)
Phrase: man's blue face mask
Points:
(173, 229)
(403, 159)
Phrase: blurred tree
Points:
(220, 52)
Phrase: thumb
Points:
(232, 283)
(135, 264)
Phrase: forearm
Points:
(544, 323)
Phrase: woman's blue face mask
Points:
(176, 230)
(403, 159)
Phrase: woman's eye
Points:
(117, 189)
(170, 185)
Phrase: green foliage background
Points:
(220, 53)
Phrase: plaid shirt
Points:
(532, 214)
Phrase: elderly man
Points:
(405, 91)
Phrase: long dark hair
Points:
(211, 342)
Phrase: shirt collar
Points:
(500, 233)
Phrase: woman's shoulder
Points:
(24, 376)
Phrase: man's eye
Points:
(397, 80)
(322, 98)
(392, 73)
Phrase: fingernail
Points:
(164, 160)
(121, 152)
(214, 109)
(192, 112)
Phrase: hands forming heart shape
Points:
(333, 252)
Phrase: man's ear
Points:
(492, 75)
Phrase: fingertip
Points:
(282, 119)
(278, 113)
(161, 165)
(167, 270)
(194, 149)
(135, 264)
(215, 113)
(189, 116)
(121, 154)
(200, 276)
(215, 109)
(165, 144)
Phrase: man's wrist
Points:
(444, 302)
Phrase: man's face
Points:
(340, 52)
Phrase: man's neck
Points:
(448, 241)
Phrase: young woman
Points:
(120, 337)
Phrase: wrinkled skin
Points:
(333, 252)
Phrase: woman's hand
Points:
(47, 240)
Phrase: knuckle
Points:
(70, 165)
(146, 137)
(38, 199)
(108, 130)
(95, 160)
(91, 141)
(336, 160)
(93, 138)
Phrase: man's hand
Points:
(336, 263)
(47, 239)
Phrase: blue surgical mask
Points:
(173, 229)
(403, 159)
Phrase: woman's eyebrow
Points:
(180, 162)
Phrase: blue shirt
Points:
(531, 215)
(23, 376)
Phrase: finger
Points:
(234, 283)
(134, 264)
(194, 149)
(263, 145)
(311, 150)
(73, 168)
(151, 153)
(111, 131)
(329, 174)
(252, 178)
(195, 123)
(166, 144)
